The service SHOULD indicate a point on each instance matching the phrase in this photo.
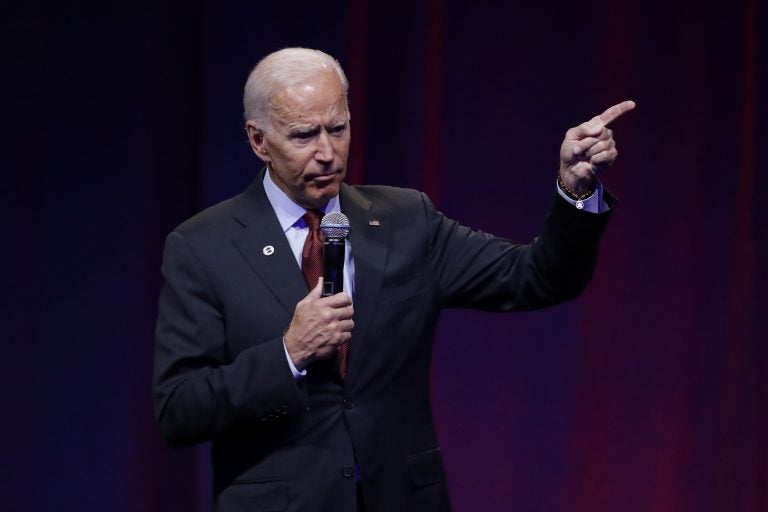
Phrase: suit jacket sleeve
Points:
(201, 391)
(474, 269)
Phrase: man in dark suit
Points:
(312, 403)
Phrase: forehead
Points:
(318, 99)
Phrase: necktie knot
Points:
(312, 218)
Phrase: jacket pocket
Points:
(426, 468)
(254, 496)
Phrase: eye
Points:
(303, 136)
(338, 129)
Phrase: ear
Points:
(257, 140)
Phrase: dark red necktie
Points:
(312, 253)
(312, 268)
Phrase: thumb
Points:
(317, 291)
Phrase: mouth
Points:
(322, 180)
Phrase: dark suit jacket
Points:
(280, 444)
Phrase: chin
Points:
(320, 199)
(328, 194)
(330, 190)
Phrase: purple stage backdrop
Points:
(648, 393)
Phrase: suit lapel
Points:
(264, 245)
(368, 237)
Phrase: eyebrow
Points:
(304, 129)
(313, 128)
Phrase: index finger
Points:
(614, 112)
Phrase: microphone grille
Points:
(335, 225)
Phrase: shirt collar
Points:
(289, 213)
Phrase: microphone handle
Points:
(333, 263)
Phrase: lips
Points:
(322, 179)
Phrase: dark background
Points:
(648, 393)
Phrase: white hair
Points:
(279, 70)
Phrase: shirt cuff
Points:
(592, 204)
(296, 373)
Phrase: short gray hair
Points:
(279, 70)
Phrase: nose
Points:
(324, 148)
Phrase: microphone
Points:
(335, 229)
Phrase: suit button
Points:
(348, 404)
(347, 472)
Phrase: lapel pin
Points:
(374, 222)
(268, 250)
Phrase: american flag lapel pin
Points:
(374, 222)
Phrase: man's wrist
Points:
(295, 371)
(574, 194)
(592, 204)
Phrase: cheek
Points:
(341, 147)
(295, 160)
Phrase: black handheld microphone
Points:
(335, 229)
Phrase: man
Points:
(313, 403)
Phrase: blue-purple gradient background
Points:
(648, 393)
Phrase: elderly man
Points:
(312, 403)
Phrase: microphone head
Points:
(335, 225)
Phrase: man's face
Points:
(308, 145)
